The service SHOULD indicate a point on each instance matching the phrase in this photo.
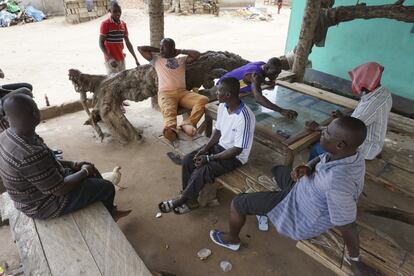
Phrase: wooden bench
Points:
(87, 242)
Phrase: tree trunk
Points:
(156, 24)
(307, 33)
(392, 11)
(139, 84)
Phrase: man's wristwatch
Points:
(210, 158)
(354, 259)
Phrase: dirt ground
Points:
(42, 53)
(151, 177)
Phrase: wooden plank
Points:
(375, 251)
(64, 247)
(261, 161)
(383, 255)
(304, 246)
(109, 247)
(26, 238)
(234, 181)
(320, 94)
(393, 177)
(399, 151)
(185, 145)
(395, 122)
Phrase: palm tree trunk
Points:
(156, 24)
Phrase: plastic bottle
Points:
(226, 266)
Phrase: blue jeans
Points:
(91, 190)
(316, 151)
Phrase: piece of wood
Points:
(375, 251)
(109, 247)
(399, 151)
(396, 122)
(24, 233)
(306, 38)
(87, 242)
(65, 249)
(304, 246)
(391, 176)
(396, 11)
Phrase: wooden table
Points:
(276, 131)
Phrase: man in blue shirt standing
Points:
(315, 197)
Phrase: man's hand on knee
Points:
(200, 160)
(77, 165)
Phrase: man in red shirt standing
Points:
(111, 40)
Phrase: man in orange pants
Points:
(172, 91)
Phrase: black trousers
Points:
(91, 190)
(194, 178)
(262, 203)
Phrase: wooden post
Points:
(156, 24)
(307, 32)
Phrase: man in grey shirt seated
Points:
(373, 109)
(40, 185)
(315, 197)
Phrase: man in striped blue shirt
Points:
(228, 148)
(315, 197)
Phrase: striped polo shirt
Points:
(373, 109)
(31, 174)
(237, 129)
(115, 34)
(326, 199)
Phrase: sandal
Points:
(166, 206)
(263, 223)
(176, 158)
(182, 209)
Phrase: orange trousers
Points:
(169, 101)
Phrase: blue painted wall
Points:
(349, 44)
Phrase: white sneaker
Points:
(263, 223)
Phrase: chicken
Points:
(114, 177)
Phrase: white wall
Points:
(49, 7)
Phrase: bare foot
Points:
(227, 238)
(170, 135)
(118, 214)
(189, 130)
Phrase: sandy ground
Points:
(41, 53)
(151, 177)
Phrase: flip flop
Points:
(263, 223)
(166, 206)
(181, 210)
(175, 158)
(215, 237)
